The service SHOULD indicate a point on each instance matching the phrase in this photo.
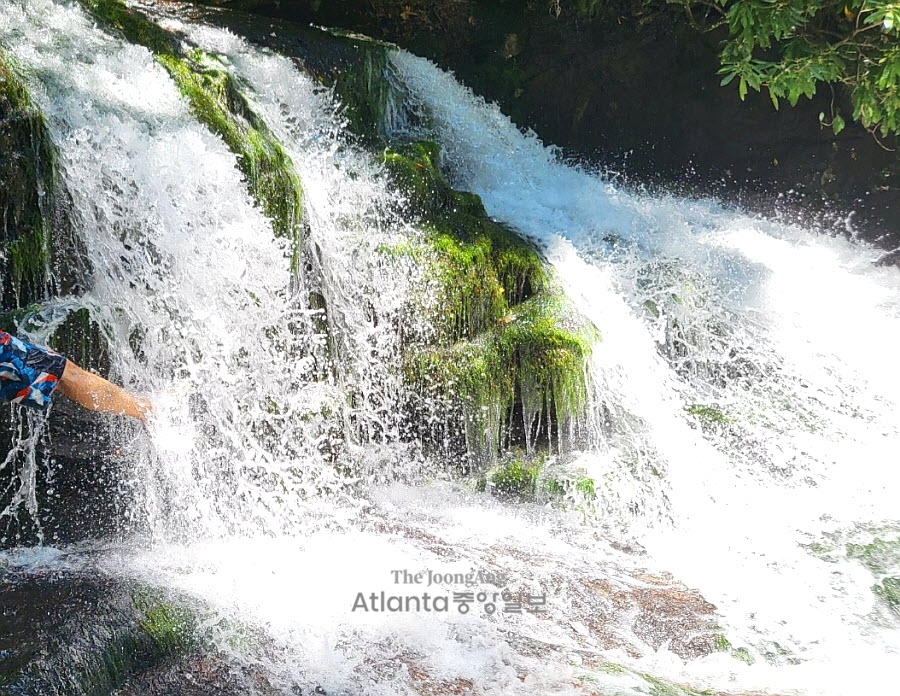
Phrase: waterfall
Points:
(742, 406)
(754, 354)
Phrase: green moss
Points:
(136, 28)
(169, 626)
(9, 321)
(218, 103)
(722, 644)
(612, 668)
(586, 487)
(889, 593)
(483, 266)
(708, 415)
(28, 175)
(659, 687)
(470, 297)
(534, 351)
(744, 655)
(880, 555)
(29, 258)
(81, 339)
(504, 333)
(401, 249)
(546, 353)
(553, 487)
(101, 648)
(516, 480)
(365, 89)
(819, 549)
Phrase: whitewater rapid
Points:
(784, 336)
(787, 331)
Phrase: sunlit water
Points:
(786, 333)
(782, 336)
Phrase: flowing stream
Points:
(744, 383)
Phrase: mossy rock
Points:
(356, 67)
(722, 644)
(363, 86)
(880, 555)
(71, 634)
(534, 356)
(217, 101)
(82, 340)
(28, 175)
(516, 479)
(505, 338)
(75, 334)
(710, 417)
(888, 591)
(480, 267)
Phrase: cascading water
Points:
(775, 343)
(743, 382)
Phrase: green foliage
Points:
(790, 47)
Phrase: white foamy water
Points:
(189, 282)
(785, 333)
(781, 336)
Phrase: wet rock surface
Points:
(66, 631)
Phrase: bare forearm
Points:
(97, 394)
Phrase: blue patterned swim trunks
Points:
(28, 374)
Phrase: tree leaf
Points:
(837, 125)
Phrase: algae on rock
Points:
(28, 176)
(508, 354)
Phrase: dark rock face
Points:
(79, 486)
(638, 94)
(26, 170)
(39, 253)
(65, 631)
